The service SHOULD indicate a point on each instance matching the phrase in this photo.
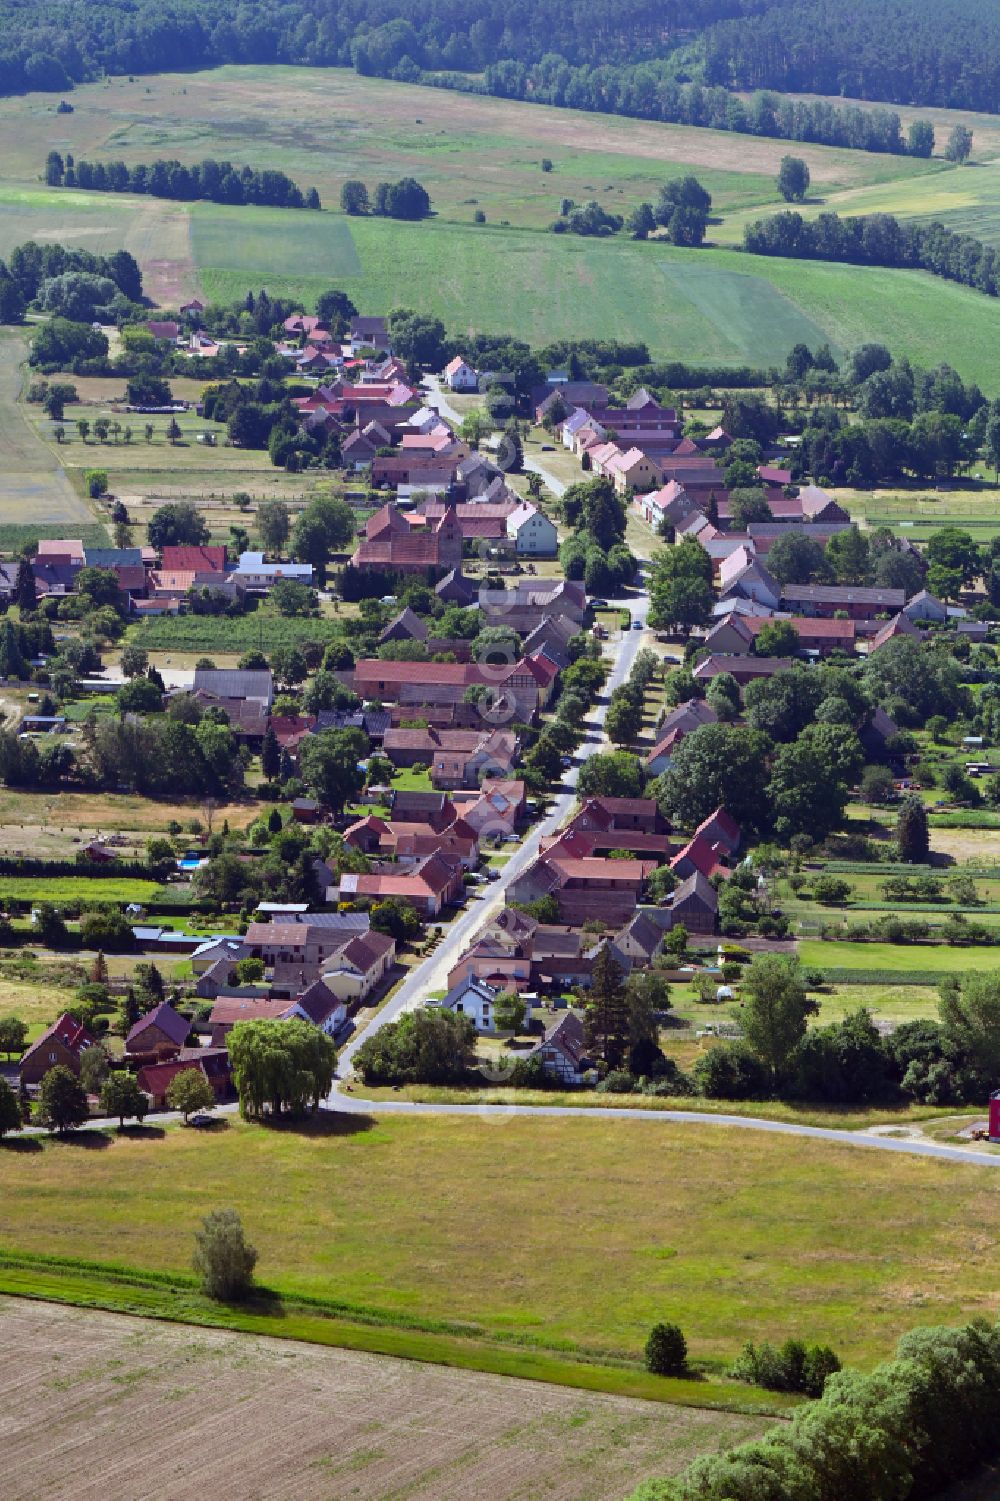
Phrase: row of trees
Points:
(647, 91)
(220, 182)
(405, 199)
(878, 240)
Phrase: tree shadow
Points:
(324, 1123)
(94, 1141)
(20, 1144)
(141, 1133)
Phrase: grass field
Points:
(717, 306)
(291, 1420)
(818, 953)
(324, 126)
(76, 889)
(35, 490)
(442, 1218)
(207, 633)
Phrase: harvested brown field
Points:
(99, 1407)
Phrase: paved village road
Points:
(431, 975)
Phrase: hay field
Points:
(326, 125)
(512, 1226)
(717, 306)
(233, 1416)
(323, 126)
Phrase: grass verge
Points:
(120, 1289)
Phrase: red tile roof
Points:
(194, 559)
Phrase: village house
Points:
(517, 691)
(736, 633)
(369, 333)
(429, 885)
(743, 669)
(562, 1051)
(296, 948)
(61, 1044)
(392, 542)
(456, 758)
(701, 855)
(529, 602)
(357, 969)
(639, 942)
(694, 905)
(258, 577)
(585, 889)
(475, 999)
(154, 1079)
(858, 602)
(679, 722)
(319, 1005)
(162, 1032)
(408, 843)
(460, 376)
(497, 811)
(254, 686)
(633, 470)
(532, 533)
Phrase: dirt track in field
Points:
(99, 1407)
(160, 240)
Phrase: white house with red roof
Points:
(460, 376)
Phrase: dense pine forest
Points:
(623, 55)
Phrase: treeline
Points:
(935, 52)
(878, 240)
(627, 55)
(405, 199)
(649, 91)
(912, 1427)
(219, 182)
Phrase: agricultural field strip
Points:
(347, 1418)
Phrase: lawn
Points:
(818, 953)
(411, 780)
(77, 889)
(512, 1224)
(37, 1001)
(260, 630)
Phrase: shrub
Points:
(794, 1367)
(223, 1258)
(666, 1351)
(730, 1072)
(618, 1081)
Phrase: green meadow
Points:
(509, 275)
(735, 1235)
(704, 306)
